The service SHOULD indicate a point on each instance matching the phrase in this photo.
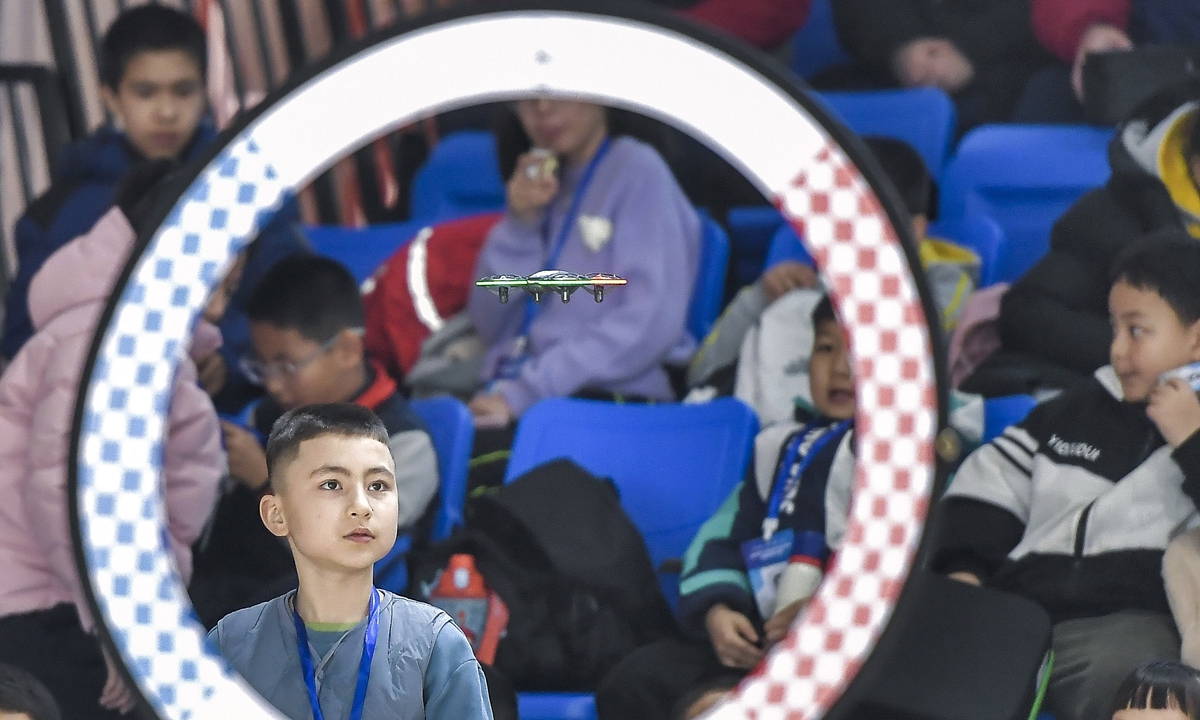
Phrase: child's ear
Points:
(109, 95)
(271, 512)
(350, 347)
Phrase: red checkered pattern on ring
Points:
(863, 264)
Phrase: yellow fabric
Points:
(1176, 175)
(932, 251)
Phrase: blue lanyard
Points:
(531, 308)
(790, 471)
(364, 664)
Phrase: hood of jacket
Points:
(83, 271)
(1149, 158)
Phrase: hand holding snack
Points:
(1174, 406)
(533, 184)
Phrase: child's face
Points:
(1148, 339)
(338, 507)
(6, 715)
(829, 376)
(159, 101)
(565, 127)
(300, 371)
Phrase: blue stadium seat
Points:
(461, 177)
(676, 465)
(999, 413)
(815, 47)
(786, 245)
(453, 432)
(556, 706)
(710, 281)
(922, 117)
(1023, 177)
(750, 232)
(361, 250)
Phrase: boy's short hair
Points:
(823, 312)
(1168, 263)
(21, 692)
(313, 295)
(149, 27)
(310, 421)
(907, 171)
(1160, 686)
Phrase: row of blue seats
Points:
(677, 464)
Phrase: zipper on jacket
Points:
(1081, 531)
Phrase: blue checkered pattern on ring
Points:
(137, 585)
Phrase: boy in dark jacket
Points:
(754, 565)
(1074, 506)
(152, 72)
(1054, 320)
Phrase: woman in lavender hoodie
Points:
(585, 202)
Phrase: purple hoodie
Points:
(621, 344)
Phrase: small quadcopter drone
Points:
(555, 281)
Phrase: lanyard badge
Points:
(767, 557)
(364, 663)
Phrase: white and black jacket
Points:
(1074, 506)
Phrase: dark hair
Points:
(149, 27)
(313, 295)
(310, 421)
(905, 168)
(21, 692)
(823, 312)
(1160, 686)
(512, 142)
(1166, 262)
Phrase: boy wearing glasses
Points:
(306, 320)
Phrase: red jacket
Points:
(764, 23)
(1059, 24)
(426, 281)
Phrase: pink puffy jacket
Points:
(37, 402)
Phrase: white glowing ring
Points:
(737, 103)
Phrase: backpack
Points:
(571, 568)
(411, 296)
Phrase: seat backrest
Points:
(453, 433)
(461, 177)
(710, 278)
(1000, 412)
(361, 250)
(980, 233)
(922, 117)
(1024, 177)
(751, 229)
(815, 46)
(672, 464)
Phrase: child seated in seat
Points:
(772, 532)
(1074, 506)
(338, 647)
(1159, 691)
(306, 320)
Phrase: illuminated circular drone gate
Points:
(718, 93)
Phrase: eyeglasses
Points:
(260, 372)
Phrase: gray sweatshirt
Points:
(423, 666)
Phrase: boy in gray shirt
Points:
(338, 647)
